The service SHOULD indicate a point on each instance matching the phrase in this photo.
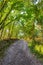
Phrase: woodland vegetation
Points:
(22, 19)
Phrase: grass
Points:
(36, 49)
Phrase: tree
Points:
(22, 19)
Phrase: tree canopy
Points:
(21, 19)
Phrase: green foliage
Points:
(20, 19)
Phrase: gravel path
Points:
(18, 53)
